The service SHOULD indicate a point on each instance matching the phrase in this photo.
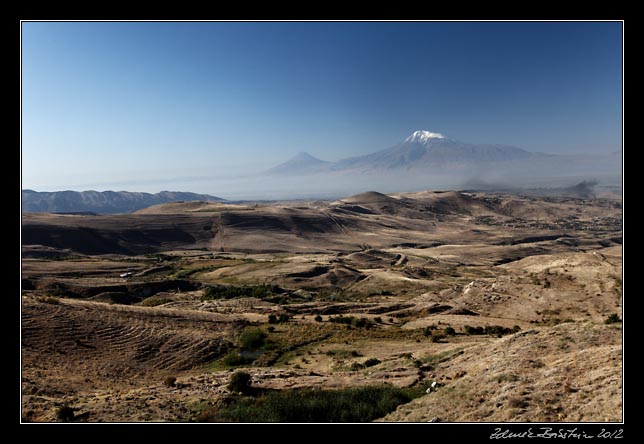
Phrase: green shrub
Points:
(437, 337)
(233, 359)
(360, 322)
(371, 362)
(252, 339)
(427, 331)
(239, 382)
(449, 331)
(612, 319)
(65, 413)
(356, 366)
(318, 318)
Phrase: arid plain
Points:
(474, 306)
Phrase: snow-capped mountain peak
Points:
(423, 136)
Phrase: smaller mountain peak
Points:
(304, 158)
(301, 162)
(303, 155)
(423, 136)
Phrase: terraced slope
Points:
(79, 340)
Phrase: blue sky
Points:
(108, 103)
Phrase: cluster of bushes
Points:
(493, 330)
(353, 321)
(368, 363)
(362, 404)
(343, 353)
(251, 342)
(234, 291)
(273, 319)
(435, 335)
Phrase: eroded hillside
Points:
(500, 300)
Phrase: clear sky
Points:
(107, 103)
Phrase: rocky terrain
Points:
(465, 306)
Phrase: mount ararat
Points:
(426, 151)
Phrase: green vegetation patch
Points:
(362, 404)
(154, 301)
(252, 344)
(252, 339)
(493, 330)
(235, 291)
(433, 360)
(353, 321)
(343, 354)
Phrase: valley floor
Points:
(471, 307)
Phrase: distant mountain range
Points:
(424, 160)
(102, 202)
(422, 150)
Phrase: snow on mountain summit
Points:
(423, 136)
